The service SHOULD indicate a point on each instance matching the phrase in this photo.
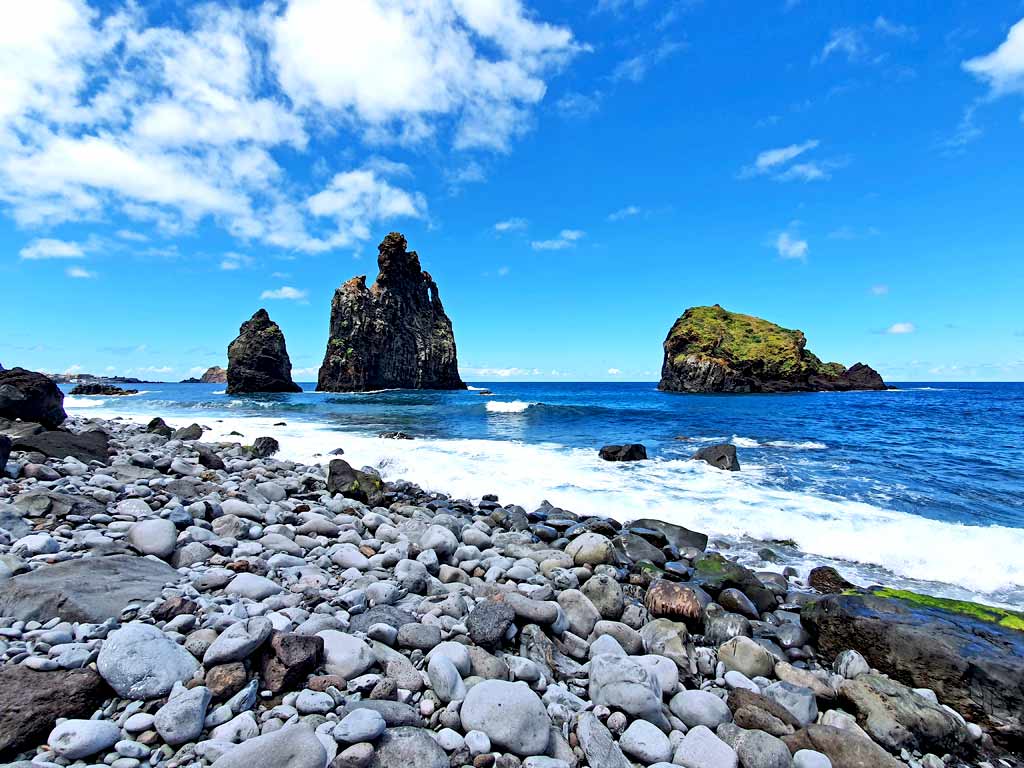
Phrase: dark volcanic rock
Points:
(722, 456)
(5, 452)
(214, 375)
(827, 580)
(84, 446)
(91, 589)
(710, 349)
(489, 622)
(262, 447)
(31, 702)
(31, 396)
(351, 483)
(102, 389)
(679, 537)
(627, 452)
(394, 334)
(159, 427)
(258, 359)
(289, 659)
(969, 654)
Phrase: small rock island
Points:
(258, 359)
(392, 335)
(710, 349)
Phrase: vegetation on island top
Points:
(743, 340)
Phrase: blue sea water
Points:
(921, 486)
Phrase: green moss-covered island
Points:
(710, 349)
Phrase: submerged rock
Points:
(722, 456)
(31, 396)
(627, 452)
(394, 334)
(258, 359)
(710, 349)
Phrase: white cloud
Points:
(397, 65)
(514, 224)
(579, 105)
(233, 261)
(1003, 68)
(894, 29)
(900, 328)
(635, 68)
(770, 159)
(614, 371)
(880, 289)
(78, 272)
(312, 371)
(285, 292)
(356, 199)
(502, 373)
(127, 234)
(567, 238)
(502, 271)
(76, 368)
(791, 247)
(624, 213)
(172, 123)
(846, 40)
(47, 248)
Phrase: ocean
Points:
(921, 487)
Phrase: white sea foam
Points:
(220, 392)
(471, 388)
(875, 545)
(807, 445)
(515, 406)
(82, 402)
(744, 442)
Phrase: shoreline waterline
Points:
(868, 544)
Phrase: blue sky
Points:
(573, 174)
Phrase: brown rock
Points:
(323, 682)
(666, 599)
(756, 712)
(845, 749)
(827, 580)
(225, 680)
(31, 702)
(290, 659)
(172, 607)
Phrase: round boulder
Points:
(512, 716)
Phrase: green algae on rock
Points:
(710, 349)
(987, 613)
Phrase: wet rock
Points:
(827, 580)
(627, 452)
(366, 487)
(84, 446)
(674, 601)
(961, 651)
(720, 456)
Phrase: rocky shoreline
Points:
(170, 602)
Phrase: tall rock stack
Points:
(394, 334)
(258, 359)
